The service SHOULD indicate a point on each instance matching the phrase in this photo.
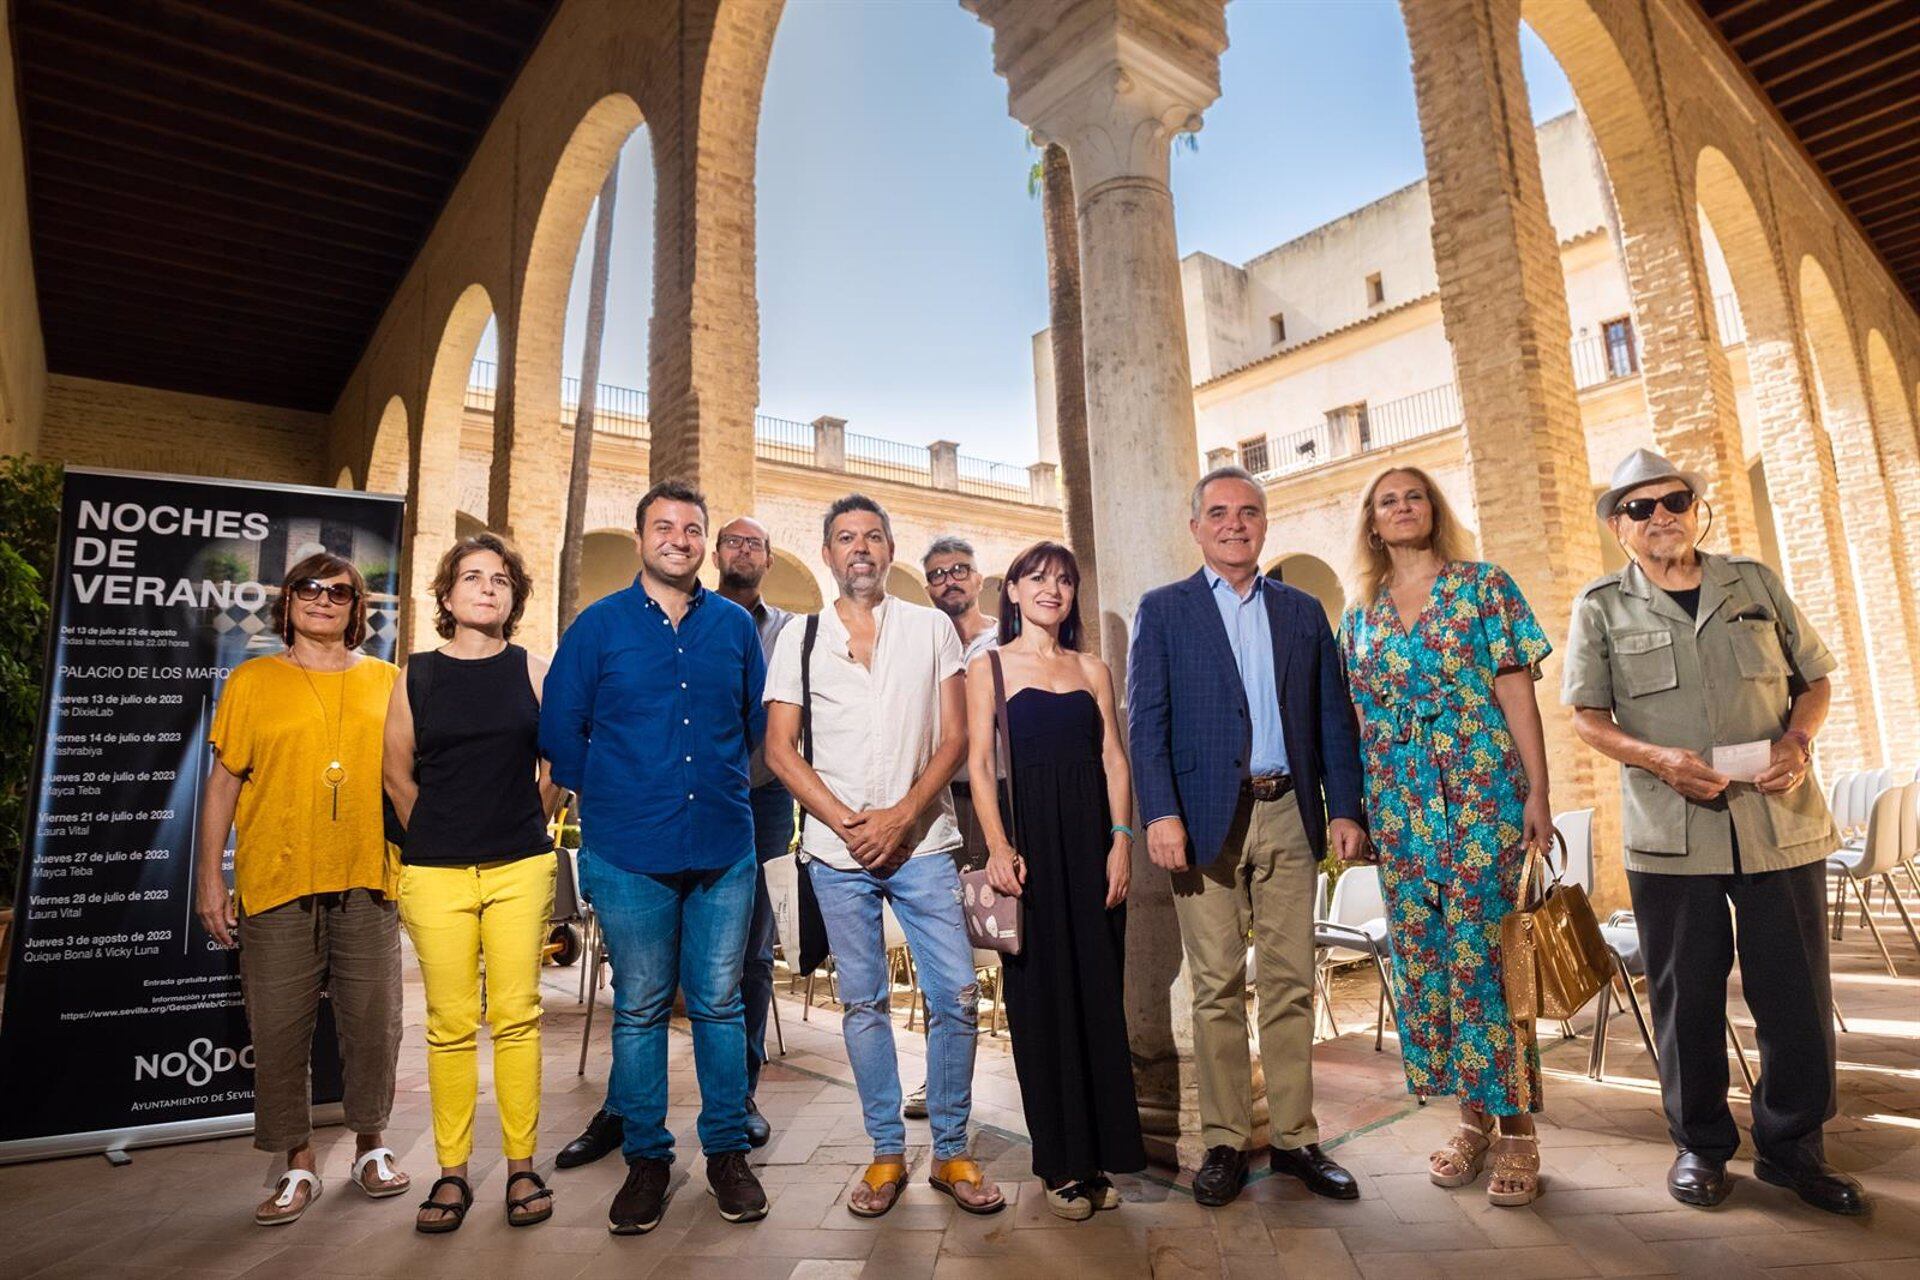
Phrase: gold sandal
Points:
(1519, 1169)
(880, 1175)
(1465, 1154)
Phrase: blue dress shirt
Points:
(1251, 637)
(652, 724)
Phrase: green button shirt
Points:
(1726, 677)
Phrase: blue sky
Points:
(902, 266)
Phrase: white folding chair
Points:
(1355, 930)
(1886, 847)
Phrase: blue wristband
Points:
(1121, 829)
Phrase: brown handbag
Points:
(995, 921)
(1553, 957)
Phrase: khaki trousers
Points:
(346, 945)
(1261, 884)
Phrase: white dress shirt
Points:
(874, 729)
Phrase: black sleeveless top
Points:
(476, 758)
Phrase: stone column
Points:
(943, 464)
(830, 443)
(1114, 93)
(1043, 485)
(1505, 311)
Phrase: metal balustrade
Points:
(622, 411)
(984, 479)
(889, 459)
(783, 440)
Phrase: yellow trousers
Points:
(458, 917)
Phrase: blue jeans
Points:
(772, 836)
(687, 929)
(925, 894)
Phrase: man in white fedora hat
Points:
(1697, 673)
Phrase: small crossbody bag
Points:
(995, 921)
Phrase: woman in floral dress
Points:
(1442, 654)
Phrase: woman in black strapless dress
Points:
(1068, 858)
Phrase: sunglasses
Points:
(1679, 502)
(311, 589)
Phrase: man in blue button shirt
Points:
(650, 711)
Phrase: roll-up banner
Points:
(123, 1023)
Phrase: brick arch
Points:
(791, 584)
(529, 481)
(1900, 463)
(703, 376)
(389, 458)
(433, 481)
(1684, 375)
(1879, 552)
(1315, 577)
(346, 480)
(1802, 483)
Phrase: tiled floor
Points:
(185, 1210)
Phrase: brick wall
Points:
(112, 424)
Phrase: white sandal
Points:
(289, 1185)
(381, 1159)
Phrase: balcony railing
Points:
(1390, 422)
(622, 411)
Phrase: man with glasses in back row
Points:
(954, 584)
(1700, 676)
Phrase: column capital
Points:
(1112, 81)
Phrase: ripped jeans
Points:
(924, 893)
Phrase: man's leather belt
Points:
(1268, 786)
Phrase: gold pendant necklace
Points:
(335, 773)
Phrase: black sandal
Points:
(458, 1212)
(515, 1206)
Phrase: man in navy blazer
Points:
(1246, 759)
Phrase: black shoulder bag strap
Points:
(814, 946)
(1003, 745)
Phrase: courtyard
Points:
(184, 1211)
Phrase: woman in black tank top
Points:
(463, 770)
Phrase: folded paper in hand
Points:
(1743, 761)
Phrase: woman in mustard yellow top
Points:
(296, 774)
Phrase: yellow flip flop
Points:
(880, 1175)
(949, 1174)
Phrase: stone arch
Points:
(791, 585)
(528, 482)
(608, 561)
(1665, 262)
(990, 588)
(905, 583)
(1315, 577)
(433, 483)
(1878, 550)
(1799, 464)
(388, 460)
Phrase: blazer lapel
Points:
(1278, 632)
(1212, 629)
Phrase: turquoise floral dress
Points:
(1445, 792)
